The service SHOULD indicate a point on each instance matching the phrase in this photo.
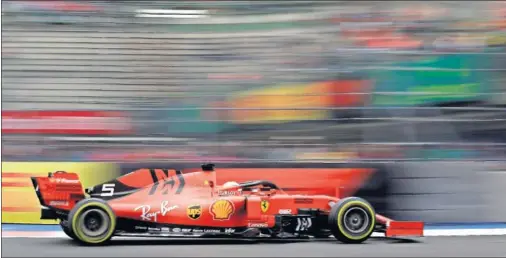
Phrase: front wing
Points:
(404, 229)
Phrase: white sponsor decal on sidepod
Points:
(257, 225)
(227, 193)
(229, 230)
(153, 216)
(285, 211)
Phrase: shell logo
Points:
(222, 209)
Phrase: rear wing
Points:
(57, 193)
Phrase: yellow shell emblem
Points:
(264, 205)
(222, 209)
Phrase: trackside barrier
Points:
(445, 192)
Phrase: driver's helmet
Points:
(230, 184)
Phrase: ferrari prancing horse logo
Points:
(264, 205)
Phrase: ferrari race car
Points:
(170, 203)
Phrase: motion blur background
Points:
(415, 90)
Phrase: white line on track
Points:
(466, 232)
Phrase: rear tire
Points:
(92, 222)
(352, 220)
(67, 230)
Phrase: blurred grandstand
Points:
(253, 81)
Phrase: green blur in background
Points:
(432, 81)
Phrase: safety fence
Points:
(268, 81)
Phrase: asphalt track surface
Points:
(473, 246)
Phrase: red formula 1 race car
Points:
(167, 203)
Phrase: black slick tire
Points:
(92, 222)
(348, 211)
(67, 230)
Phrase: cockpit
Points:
(258, 187)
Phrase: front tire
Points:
(92, 222)
(352, 220)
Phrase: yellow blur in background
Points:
(19, 202)
(280, 102)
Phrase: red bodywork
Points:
(193, 199)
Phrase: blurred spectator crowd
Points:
(253, 81)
